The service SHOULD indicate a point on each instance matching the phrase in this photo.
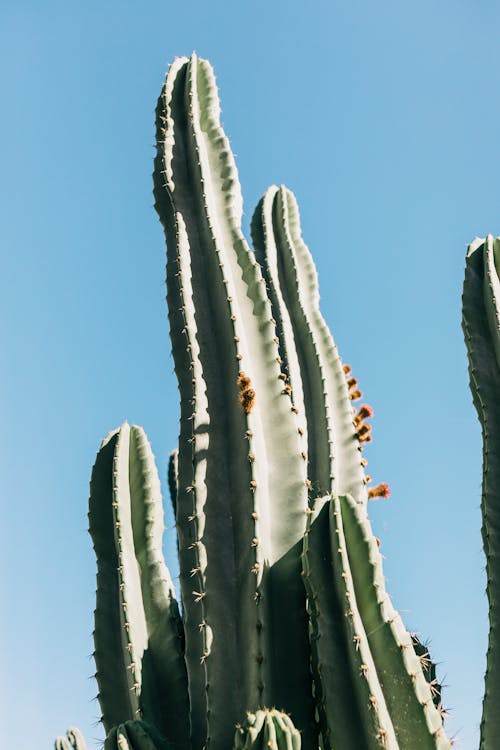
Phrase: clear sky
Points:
(382, 117)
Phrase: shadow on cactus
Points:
(287, 637)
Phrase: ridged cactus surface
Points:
(481, 325)
(242, 469)
(310, 358)
(267, 426)
(132, 735)
(73, 740)
(138, 631)
(265, 729)
(285, 617)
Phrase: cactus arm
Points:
(166, 705)
(142, 671)
(119, 641)
(132, 735)
(173, 478)
(76, 739)
(286, 497)
(340, 718)
(377, 721)
(334, 457)
(266, 251)
(481, 302)
(72, 741)
(193, 343)
(233, 328)
(191, 478)
(267, 728)
(408, 696)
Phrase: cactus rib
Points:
(143, 673)
(132, 735)
(283, 596)
(267, 728)
(235, 332)
(72, 741)
(481, 304)
(334, 457)
(335, 693)
(417, 722)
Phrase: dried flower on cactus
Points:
(247, 399)
(381, 490)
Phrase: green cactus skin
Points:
(173, 478)
(267, 728)
(133, 735)
(138, 631)
(363, 660)
(481, 325)
(72, 741)
(242, 493)
(315, 368)
(283, 596)
(429, 670)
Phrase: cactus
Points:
(481, 325)
(283, 598)
(132, 735)
(267, 728)
(138, 631)
(72, 741)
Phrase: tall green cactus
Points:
(283, 597)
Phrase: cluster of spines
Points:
(430, 673)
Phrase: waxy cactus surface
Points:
(284, 619)
(481, 325)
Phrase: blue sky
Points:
(383, 119)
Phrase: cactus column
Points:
(481, 325)
(285, 617)
(242, 493)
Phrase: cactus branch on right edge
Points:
(481, 325)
